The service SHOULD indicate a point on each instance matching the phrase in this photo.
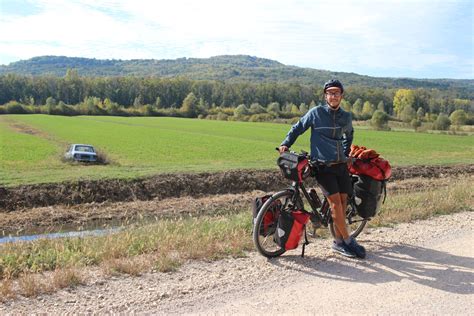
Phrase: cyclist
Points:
(331, 139)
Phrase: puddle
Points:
(83, 233)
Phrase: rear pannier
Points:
(368, 195)
(372, 173)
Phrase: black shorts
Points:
(334, 179)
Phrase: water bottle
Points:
(314, 196)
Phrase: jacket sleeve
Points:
(348, 137)
(299, 128)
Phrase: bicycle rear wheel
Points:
(354, 222)
(264, 227)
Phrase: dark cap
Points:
(333, 83)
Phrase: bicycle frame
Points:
(323, 214)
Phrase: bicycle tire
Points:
(356, 228)
(265, 243)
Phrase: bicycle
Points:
(290, 200)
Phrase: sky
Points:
(382, 38)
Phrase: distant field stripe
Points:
(22, 150)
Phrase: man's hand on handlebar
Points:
(282, 149)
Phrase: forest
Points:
(257, 98)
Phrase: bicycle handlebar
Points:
(304, 153)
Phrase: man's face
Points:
(333, 97)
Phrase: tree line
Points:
(73, 95)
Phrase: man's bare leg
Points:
(337, 202)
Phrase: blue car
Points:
(81, 152)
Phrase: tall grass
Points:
(407, 205)
(171, 242)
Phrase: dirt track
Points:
(424, 267)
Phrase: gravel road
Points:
(422, 267)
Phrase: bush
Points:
(32, 109)
(442, 123)
(222, 116)
(458, 117)
(64, 109)
(241, 111)
(13, 107)
(415, 123)
(379, 120)
(294, 120)
(256, 108)
(263, 117)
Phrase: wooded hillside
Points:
(235, 68)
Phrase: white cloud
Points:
(359, 36)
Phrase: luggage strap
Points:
(384, 187)
(306, 242)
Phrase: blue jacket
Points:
(331, 133)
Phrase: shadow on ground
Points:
(393, 263)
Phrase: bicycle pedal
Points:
(315, 221)
(311, 232)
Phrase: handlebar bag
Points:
(293, 166)
(290, 228)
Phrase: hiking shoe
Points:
(343, 249)
(356, 248)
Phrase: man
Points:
(331, 139)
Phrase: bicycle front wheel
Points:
(264, 228)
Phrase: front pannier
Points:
(271, 216)
(290, 228)
(367, 195)
(293, 166)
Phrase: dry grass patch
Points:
(405, 205)
(130, 266)
(68, 277)
(6, 290)
(30, 285)
(167, 263)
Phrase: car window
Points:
(87, 149)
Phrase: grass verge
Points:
(164, 246)
(410, 204)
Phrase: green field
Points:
(31, 146)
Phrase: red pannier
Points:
(290, 228)
(270, 218)
(376, 168)
(373, 172)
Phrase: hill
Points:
(233, 68)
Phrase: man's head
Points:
(333, 92)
